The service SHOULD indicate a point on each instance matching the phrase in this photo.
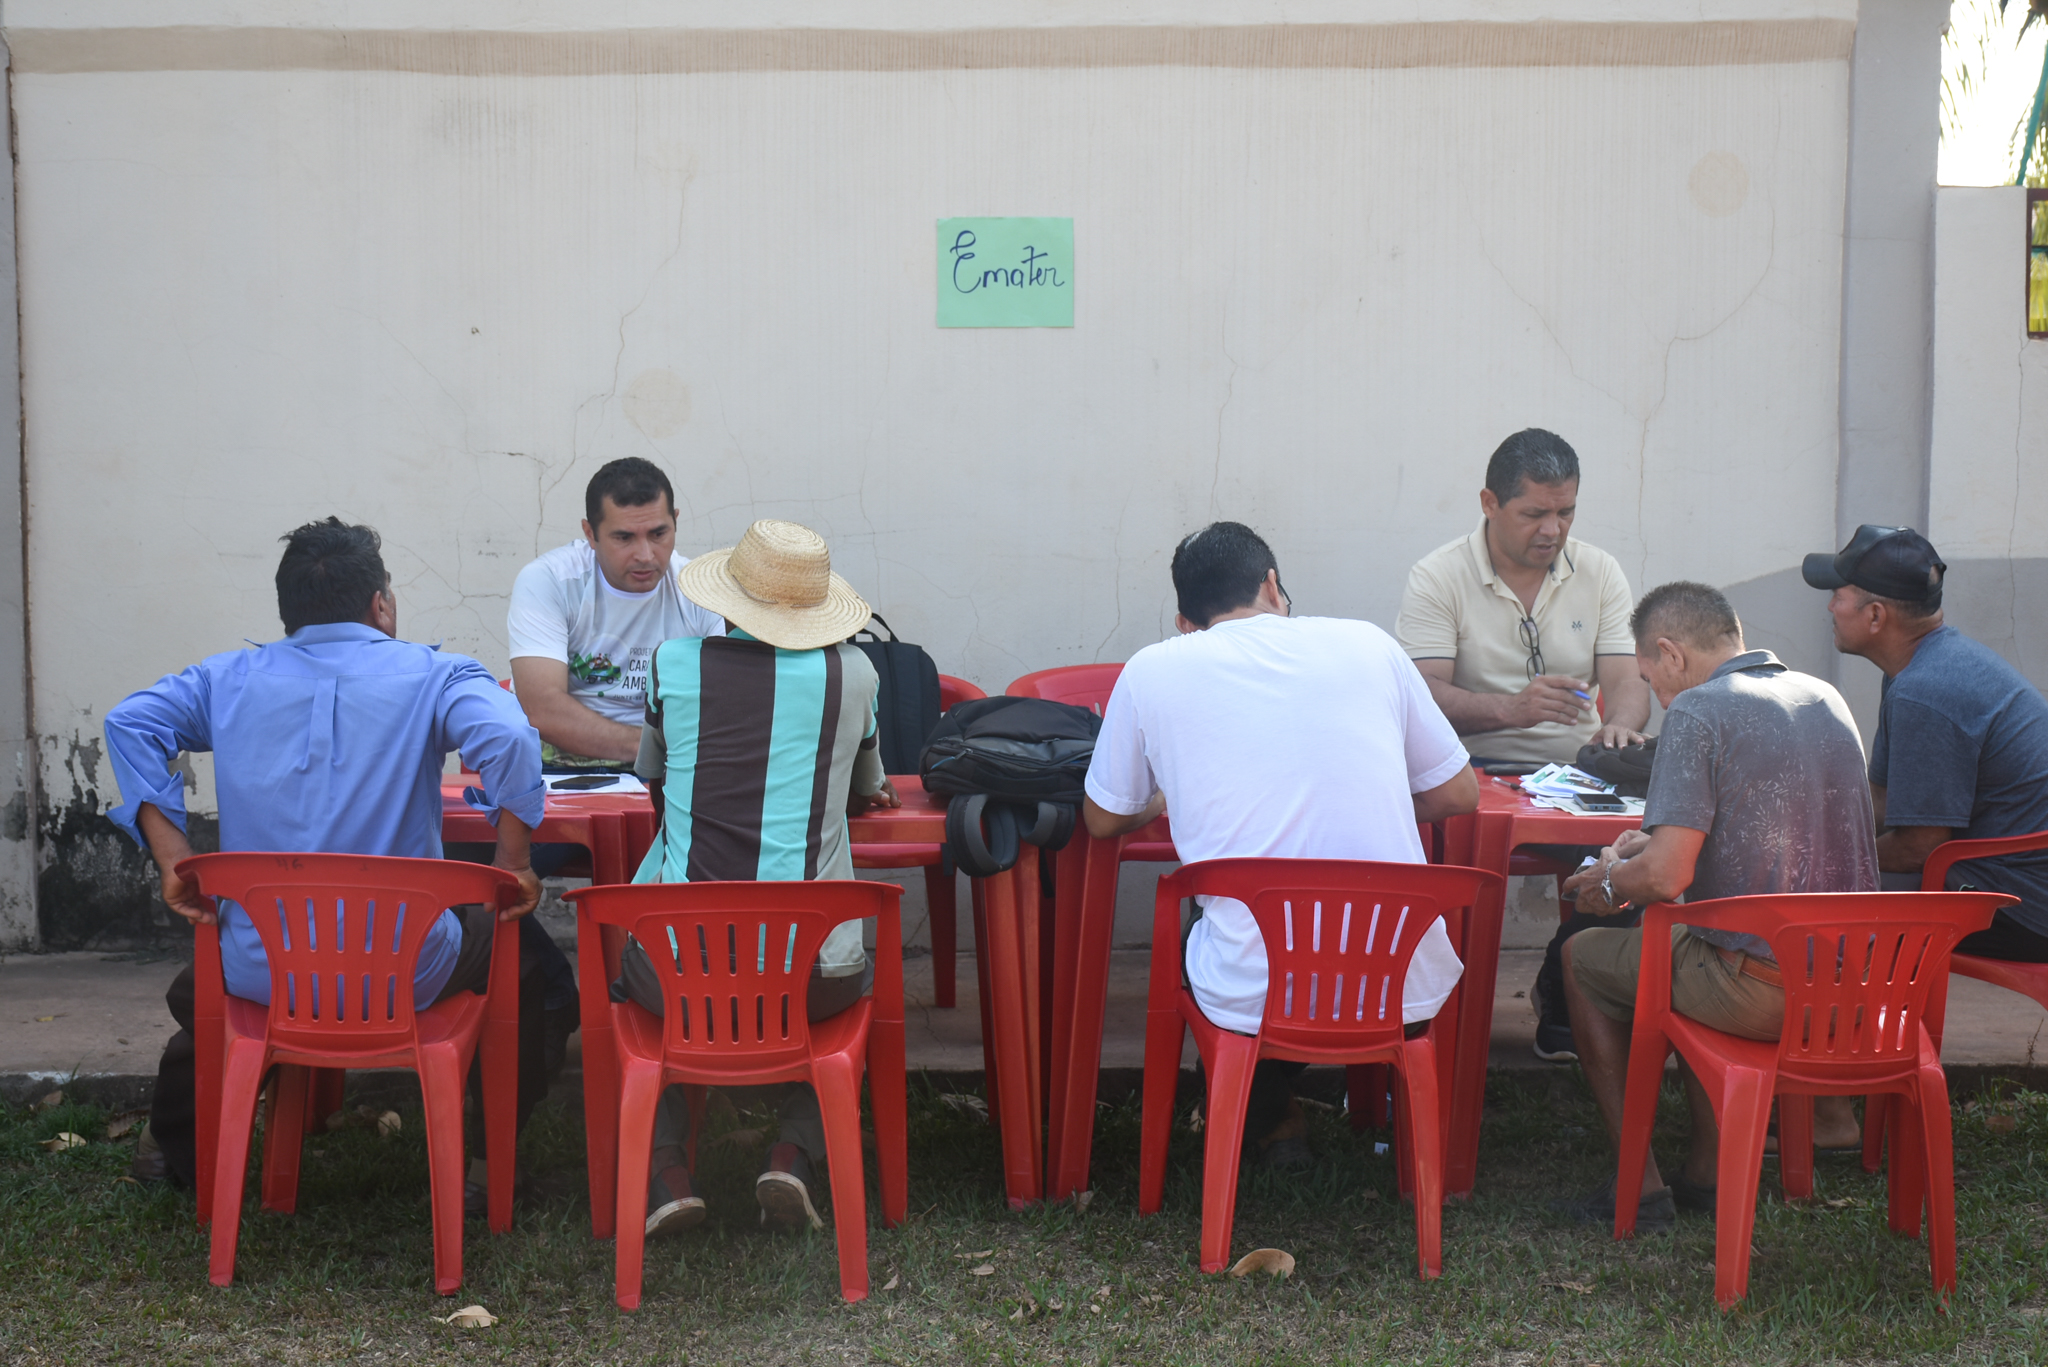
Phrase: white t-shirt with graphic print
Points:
(563, 608)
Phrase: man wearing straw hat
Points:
(754, 744)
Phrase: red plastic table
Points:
(1485, 840)
(1015, 997)
(617, 829)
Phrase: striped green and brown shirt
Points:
(754, 751)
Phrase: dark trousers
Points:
(173, 1109)
(1550, 977)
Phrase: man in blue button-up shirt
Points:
(331, 740)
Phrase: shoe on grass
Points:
(1554, 1042)
(1553, 1027)
(1692, 1196)
(784, 1190)
(671, 1205)
(1655, 1213)
(148, 1164)
(1284, 1148)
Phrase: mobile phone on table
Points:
(588, 781)
(1600, 802)
(1509, 770)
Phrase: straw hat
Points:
(777, 585)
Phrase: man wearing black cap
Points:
(1961, 751)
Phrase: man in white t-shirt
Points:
(1264, 734)
(586, 618)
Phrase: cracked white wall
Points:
(1313, 300)
(1988, 478)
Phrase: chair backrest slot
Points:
(789, 951)
(1344, 934)
(1372, 931)
(732, 949)
(703, 951)
(761, 948)
(1312, 985)
(1287, 914)
(1287, 1007)
(1315, 936)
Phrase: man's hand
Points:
(185, 899)
(1613, 736)
(515, 856)
(1585, 885)
(884, 796)
(1629, 844)
(1550, 697)
(168, 846)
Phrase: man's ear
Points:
(589, 532)
(1672, 654)
(383, 612)
(1184, 624)
(1488, 504)
(1269, 594)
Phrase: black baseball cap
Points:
(1891, 562)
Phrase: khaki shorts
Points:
(1704, 986)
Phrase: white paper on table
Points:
(621, 784)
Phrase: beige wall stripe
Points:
(651, 52)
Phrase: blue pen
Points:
(1585, 695)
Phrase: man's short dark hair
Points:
(1219, 568)
(629, 482)
(1534, 455)
(1696, 614)
(1907, 609)
(329, 573)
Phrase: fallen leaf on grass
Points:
(985, 1270)
(1583, 1288)
(2001, 1124)
(967, 1104)
(1018, 1313)
(1094, 1309)
(1842, 1203)
(969, 1257)
(65, 1139)
(470, 1317)
(1102, 1294)
(53, 1100)
(129, 1180)
(388, 1124)
(1277, 1261)
(893, 1281)
(1082, 1199)
(125, 1122)
(1055, 1305)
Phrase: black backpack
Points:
(1014, 768)
(907, 707)
(1627, 768)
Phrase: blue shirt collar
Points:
(324, 633)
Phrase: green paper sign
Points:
(1006, 272)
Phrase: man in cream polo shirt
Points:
(1520, 631)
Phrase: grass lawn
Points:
(94, 1269)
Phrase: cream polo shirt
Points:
(1456, 608)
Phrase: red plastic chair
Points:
(939, 894)
(1339, 934)
(342, 934)
(2029, 980)
(737, 977)
(1859, 968)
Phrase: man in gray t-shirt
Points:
(1758, 788)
